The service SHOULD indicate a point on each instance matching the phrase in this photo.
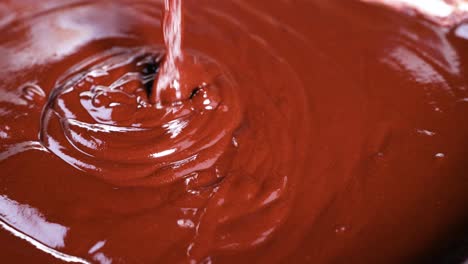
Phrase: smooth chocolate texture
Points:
(310, 131)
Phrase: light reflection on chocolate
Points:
(313, 131)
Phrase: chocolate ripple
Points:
(99, 119)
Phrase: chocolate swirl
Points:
(100, 120)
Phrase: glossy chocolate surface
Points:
(307, 131)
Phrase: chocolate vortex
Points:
(99, 119)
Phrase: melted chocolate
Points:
(304, 131)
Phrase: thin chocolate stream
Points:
(168, 86)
